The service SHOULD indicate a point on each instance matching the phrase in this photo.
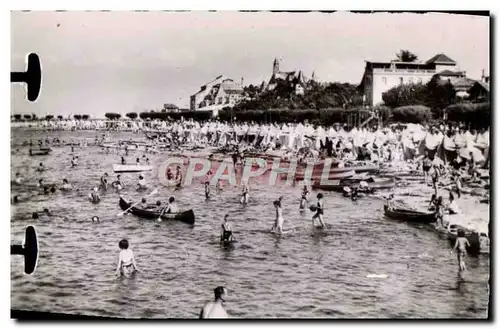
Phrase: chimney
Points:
(241, 81)
(483, 78)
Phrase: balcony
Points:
(413, 71)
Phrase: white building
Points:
(379, 77)
(217, 94)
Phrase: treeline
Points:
(313, 96)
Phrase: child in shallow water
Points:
(126, 260)
(461, 245)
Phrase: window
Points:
(400, 80)
(384, 80)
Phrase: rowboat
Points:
(185, 216)
(331, 176)
(40, 151)
(409, 215)
(131, 168)
(371, 185)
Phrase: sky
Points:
(98, 62)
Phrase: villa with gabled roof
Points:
(379, 77)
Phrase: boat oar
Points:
(161, 214)
(135, 204)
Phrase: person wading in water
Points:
(215, 309)
(319, 211)
(227, 230)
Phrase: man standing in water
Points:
(215, 309)
(278, 224)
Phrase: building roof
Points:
(170, 106)
(481, 84)
(441, 59)
(448, 73)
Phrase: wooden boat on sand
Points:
(131, 168)
(409, 215)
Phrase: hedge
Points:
(477, 115)
(412, 114)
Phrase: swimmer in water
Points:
(142, 184)
(319, 211)
(215, 309)
(40, 167)
(170, 176)
(245, 196)
(18, 179)
(227, 230)
(95, 219)
(278, 223)
(461, 245)
(74, 162)
(66, 186)
(117, 184)
(126, 260)
(207, 190)
(138, 161)
(218, 187)
(104, 181)
(94, 196)
(178, 175)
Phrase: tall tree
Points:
(406, 56)
(131, 115)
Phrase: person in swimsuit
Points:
(117, 184)
(123, 161)
(142, 184)
(40, 167)
(439, 210)
(18, 179)
(461, 245)
(178, 174)
(74, 162)
(304, 197)
(319, 211)
(207, 190)
(227, 230)
(458, 184)
(453, 206)
(435, 179)
(278, 223)
(426, 166)
(432, 203)
(215, 309)
(126, 260)
(245, 195)
(104, 181)
(170, 176)
(66, 186)
(94, 196)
